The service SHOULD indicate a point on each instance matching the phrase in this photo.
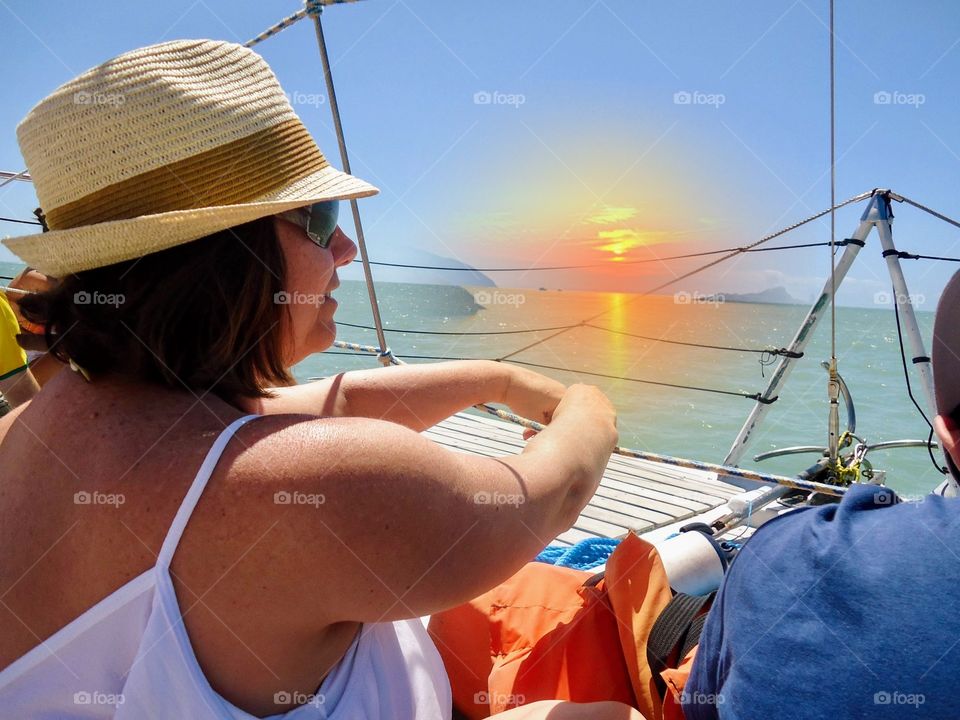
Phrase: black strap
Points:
(693, 635)
(676, 627)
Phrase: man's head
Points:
(946, 372)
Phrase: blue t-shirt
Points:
(844, 611)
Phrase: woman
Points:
(185, 532)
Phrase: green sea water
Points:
(686, 423)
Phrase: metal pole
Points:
(8, 177)
(905, 307)
(345, 160)
(785, 367)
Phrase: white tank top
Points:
(129, 657)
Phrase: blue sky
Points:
(542, 133)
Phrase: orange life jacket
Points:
(554, 633)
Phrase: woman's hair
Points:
(201, 316)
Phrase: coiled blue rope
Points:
(585, 555)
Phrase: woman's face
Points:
(311, 277)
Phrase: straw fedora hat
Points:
(164, 145)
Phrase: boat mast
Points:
(852, 245)
(833, 382)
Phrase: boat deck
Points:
(634, 494)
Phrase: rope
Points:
(312, 7)
(22, 222)
(599, 264)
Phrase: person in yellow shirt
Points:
(17, 384)
(43, 365)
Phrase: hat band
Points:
(237, 172)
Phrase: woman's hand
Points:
(29, 280)
(532, 395)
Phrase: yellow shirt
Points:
(13, 358)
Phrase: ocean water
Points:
(674, 421)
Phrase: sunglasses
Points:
(318, 220)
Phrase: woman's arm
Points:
(380, 524)
(420, 396)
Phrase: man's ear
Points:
(949, 435)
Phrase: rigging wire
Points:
(749, 396)
(762, 351)
(917, 205)
(833, 379)
(598, 264)
(910, 256)
(712, 263)
(833, 195)
(446, 332)
(906, 377)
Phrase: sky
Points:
(585, 133)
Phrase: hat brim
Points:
(61, 252)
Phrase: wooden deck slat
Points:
(499, 432)
(672, 484)
(671, 488)
(572, 537)
(631, 504)
(599, 528)
(659, 501)
(633, 494)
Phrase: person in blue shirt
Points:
(848, 610)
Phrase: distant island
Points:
(428, 276)
(771, 296)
